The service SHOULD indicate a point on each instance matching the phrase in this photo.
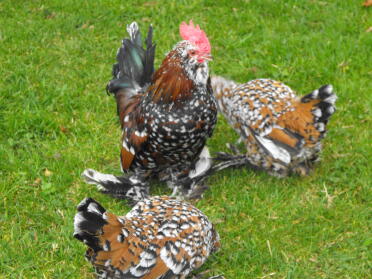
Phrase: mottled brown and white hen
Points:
(160, 238)
(282, 132)
(166, 116)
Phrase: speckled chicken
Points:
(166, 116)
(282, 132)
(160, 237)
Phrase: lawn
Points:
(56, 120)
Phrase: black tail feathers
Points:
(88, 223)
(325, 108)
(135, 65)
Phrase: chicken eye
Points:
(192, 52)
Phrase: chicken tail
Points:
(134, 67)
(307, 123)
(311, 115)
(103, 233)
(88, 223)
(323, 100)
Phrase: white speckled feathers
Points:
(280, 130)
(158, 236)
(166, 115)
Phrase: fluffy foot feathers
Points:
(131, 189)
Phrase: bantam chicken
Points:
(160, 238)
(166, 116)
(282, 133)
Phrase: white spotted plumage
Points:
(281, 131)
(148, 237)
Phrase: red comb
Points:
(196, 36)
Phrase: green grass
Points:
(56, 58)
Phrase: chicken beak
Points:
(205, 57)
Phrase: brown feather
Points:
(281, 136)
(170, 82)
(126, 158)
(301, 121)
(130, 137)
(126, 105)
(137, 140)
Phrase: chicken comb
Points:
(196, 36)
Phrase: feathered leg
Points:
(192, 186)
(234, 149)
(133, 188)
(188, 185)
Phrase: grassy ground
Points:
(55, 121)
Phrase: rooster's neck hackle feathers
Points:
(179, 76)
(170, 82)
(184, 69)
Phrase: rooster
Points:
(160, 238)
(282, 133)
(166, 116)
